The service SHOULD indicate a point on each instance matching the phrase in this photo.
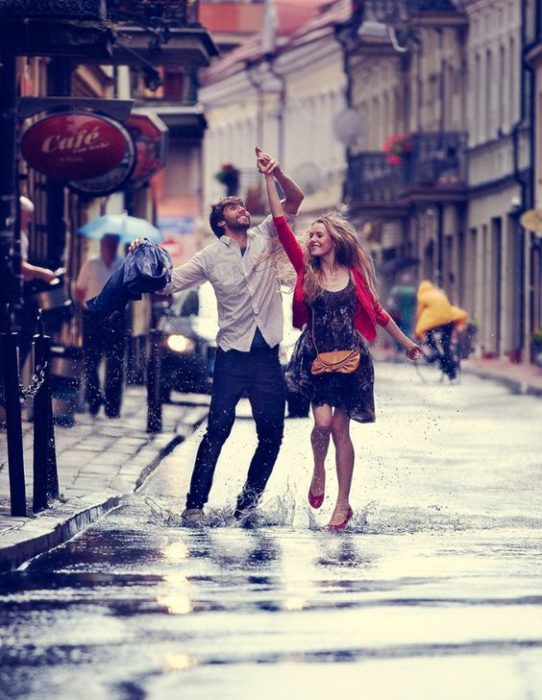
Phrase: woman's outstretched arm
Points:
(284, 232)
(412, 349)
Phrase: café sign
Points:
(75, 146)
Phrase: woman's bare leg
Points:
(344, 458)
(320, 436)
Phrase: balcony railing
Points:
(437, 162)
(174, 13)
(372, 180)
(93, 10)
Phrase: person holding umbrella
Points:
(101, 339)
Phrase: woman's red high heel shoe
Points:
(316, 501)
(341, 526)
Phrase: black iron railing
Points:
(56, 9)
(372, 180)
(175, 13)
(430, 6)
(437, 161)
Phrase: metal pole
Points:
(440, 245)
(10, 287)
(45, 467)
(154, 403)
(17, 489)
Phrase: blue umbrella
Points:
(127, 227)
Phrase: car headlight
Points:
(180, 344)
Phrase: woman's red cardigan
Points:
(368, 313)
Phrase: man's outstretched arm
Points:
(293, 194)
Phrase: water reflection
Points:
(345, 553)
(199, 606)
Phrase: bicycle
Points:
(440, 356)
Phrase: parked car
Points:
(189, 328)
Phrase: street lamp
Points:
(373, 32)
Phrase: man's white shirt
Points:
(247, 287)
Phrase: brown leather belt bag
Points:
(342, 361)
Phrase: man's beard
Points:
(237, 225)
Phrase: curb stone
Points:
(38, 534)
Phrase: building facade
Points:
(285, 101)
(456, 86)
(110, 71)
(407, 177)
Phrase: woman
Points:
(335, 299)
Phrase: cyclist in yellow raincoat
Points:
(435, 321)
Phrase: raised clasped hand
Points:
(265, 164)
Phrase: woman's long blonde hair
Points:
(348, 252)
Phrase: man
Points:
(435, 320)
(29, 271)
(101, 339)
(27, 315)
(240, 267)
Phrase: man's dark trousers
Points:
(258, 376)
(101, 338)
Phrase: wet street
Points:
(433, 592)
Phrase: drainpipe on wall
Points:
(344, 39)
(259, 117)
(525, 182)
(282, 105)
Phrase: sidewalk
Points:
(518, 378)
(99, 461)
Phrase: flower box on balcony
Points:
(397, 148)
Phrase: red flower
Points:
(394, 160)
(396, 147)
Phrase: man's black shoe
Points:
(245, 501)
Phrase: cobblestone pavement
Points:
(99, 460)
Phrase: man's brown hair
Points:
(217, 213)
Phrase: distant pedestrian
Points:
(102, 339)
(242, 268)
(403, 298)
(335, 303)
